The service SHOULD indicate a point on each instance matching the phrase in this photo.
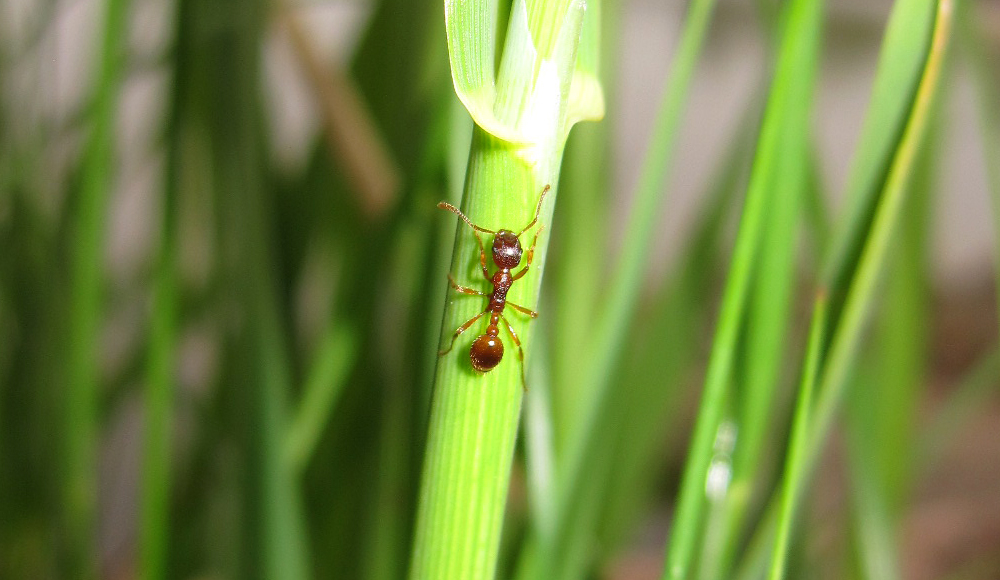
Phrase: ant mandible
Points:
(487, 349)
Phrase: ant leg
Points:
(463, 289)
(538, 211)
(482, 260)
(520, 351)
(531, 254)
(460, 330)
(522, 309)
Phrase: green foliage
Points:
(272, 360)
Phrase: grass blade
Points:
(474, 418)
(337, 351)
(787, 113)
(877, 198)
(580, 430)
(796, 465)
(626, 280)
(86, 273)
(859, 294)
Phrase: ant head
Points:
(506, 249)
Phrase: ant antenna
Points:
(451, 208)
(538, 210)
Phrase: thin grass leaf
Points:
(622, 467)
(859, 294)
(659, 361)
(795, 464)
(160, 390)
(883, 405)
(334, 357)
(275, 523)
(786, 114)
(577, 285)
(86, 274)
(472, 45)
(877, 202)
(583, 441)
(874, 523)
(625, 282)
(901, 63)
(763, 348)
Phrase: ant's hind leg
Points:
(522, 309)
(463, 289)
(520, 351)
(460, 330)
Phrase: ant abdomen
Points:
(486, 352)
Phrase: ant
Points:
(487, 349)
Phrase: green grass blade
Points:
(884, 403)
(786, 114)
(901, 63)
(874, 523)
(769, 309)
(334, 357)
(626, 280)
(471, 27)
(658, 360)
(625, 459)
(275, 527)
(793, 480)
(576, 284)
(916, 25)
(474, 417)
(285, 549)
(472, 45)
(81, 426)
(859, 294)
(582, 436)
(160, 389)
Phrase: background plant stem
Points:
(86, 274)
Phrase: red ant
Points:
(487, 349)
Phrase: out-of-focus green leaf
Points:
(786, 118)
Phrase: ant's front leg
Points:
(531, 254)
(482, 260)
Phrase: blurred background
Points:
(207, 208)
